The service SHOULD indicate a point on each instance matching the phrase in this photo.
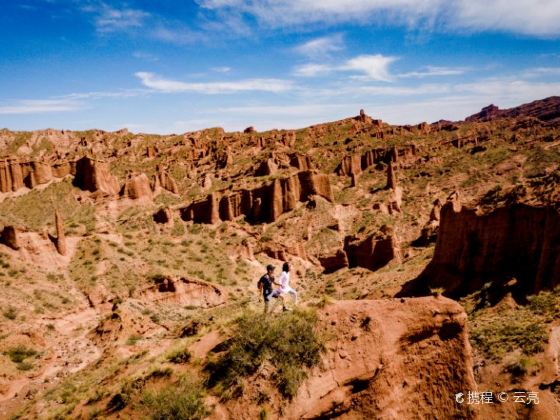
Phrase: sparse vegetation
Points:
(179, 401)
(289, 341)
(19, 353)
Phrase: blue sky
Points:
(174, 66)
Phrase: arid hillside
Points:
(426, 259)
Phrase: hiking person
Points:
(265, 285)
(285, 283)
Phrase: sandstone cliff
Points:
(260, 205)
(515, 242)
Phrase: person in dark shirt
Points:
(265, 285)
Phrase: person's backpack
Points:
(260, 284)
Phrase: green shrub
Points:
(179, 356)
(500, 336)
(289, 341)
(19, 353)
(10, 313)
(184, 400)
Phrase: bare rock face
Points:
(95, 176)
(372, 372)
(9, 237)
(164, 216)
(11, 175)
(185, 291)
(374, 251)
(436, 210)
(137, 187)
(260, 205)
(333, 261)
(164, 180)
(60, 236)
(391, 177)
(517, 241)
(267, 167)
(151, 152)
(350, 165)
(301, 162)
(385, 359)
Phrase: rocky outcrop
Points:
(267, 167)
(95, 176)
(137, 187)
(374, 251)
(516, 241)
(383, 359)
(11, 176)
(164, 180)
(391, 177)
(187, 292)
(357, 163)
(430, 230)
(9, 237)
(60, 236)
(260, 205)
(545, 110)
(333, 261)
(301, 162)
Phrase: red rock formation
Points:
(11, 175)
(391, 177)
(262, 204)
(187, 292)
(373, 252)
(60, 236)
(151, 152)
(333, 262)
(164, 180)
(137, 187)
(384, 359)
(545, 110)
(301, 162)
(95, 176)
(357, 163)
(430, 230)
(350, 165)
(518, 241)
(267, 167)
(9, 237)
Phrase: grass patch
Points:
(179, 356)
(183, 400)
(19, 353)
(289, 342)
(10, 313)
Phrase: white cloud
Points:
(141, 55)
(320, 47)
(431, 71)
(371, 67)
(160, 84)
(222, 69)
(313, 69)
(540, 18)
(375, 67)
(110, 19)
(40, 106)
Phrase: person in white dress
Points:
(285, 283)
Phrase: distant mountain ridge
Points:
(547, 109)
